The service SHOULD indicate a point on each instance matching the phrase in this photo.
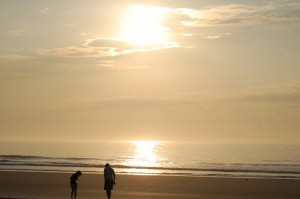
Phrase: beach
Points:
(46, 185)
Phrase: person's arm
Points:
(114, 176)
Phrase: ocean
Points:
(278, 161)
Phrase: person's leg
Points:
(108, 193)
(75, 191)
(72, 190)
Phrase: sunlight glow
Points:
(145, 153)
(142, 26)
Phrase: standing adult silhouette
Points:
(109, 179)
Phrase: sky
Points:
(172, 70)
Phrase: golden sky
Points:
(93, 70)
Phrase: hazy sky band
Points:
(217, 71)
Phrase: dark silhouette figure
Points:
(109, 179)
(73, 183)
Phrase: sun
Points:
(142, 26)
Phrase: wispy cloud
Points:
(16, 32)
(289, 97)
(280, 99)
(267, 96)
(117, 46)
(111, 64)
(15, 57)
(218, 36)
(184, 23)
(45, 10)
(236, 14)
(128, 102)
(69, 51)
(16, 74)
(104, 47)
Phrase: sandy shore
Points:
(41, 185)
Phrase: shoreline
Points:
(159, 174)
(46, 185)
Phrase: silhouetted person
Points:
(73, 183)
(109, 179)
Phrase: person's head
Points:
(78, 173)
(106, 165)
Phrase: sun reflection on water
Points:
(145, 154)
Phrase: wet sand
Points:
(43, 185)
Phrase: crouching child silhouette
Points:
(73, 184)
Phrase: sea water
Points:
(156, 158)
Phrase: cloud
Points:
(218, 36)
(16, 74)
(131, 102)
(116, 45)
(70, 51)
(272, 95)
(208, 21)
(236, 14)
(183, 23)
(289, 98)
(120, 65)
(83, 34)
(294, 4)
(16, 32)
(281, 95)
(15, 58)
(45, 10)
(195, 101)
(120, 46)
(104, 47)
